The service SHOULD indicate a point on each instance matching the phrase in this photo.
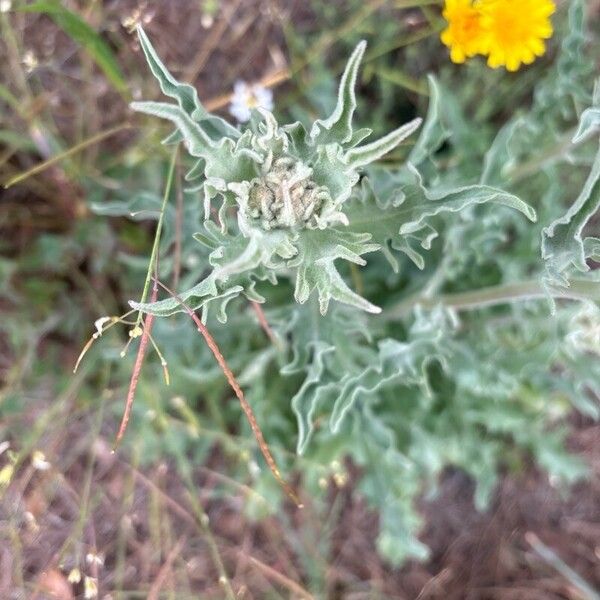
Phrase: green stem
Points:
(495, 295)
(154, 254)
(552, 153)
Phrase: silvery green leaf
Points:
(326, 349)
(454, 201)
(562, 244)
(398, 362)
(317, 252)
(498, 159)
(196, 297)
(358, 136)
(590, 118)
(337, 128)
(566, 85)
(197, 141)
(312, 393)
(434, 131)
(407, 205)
(364, 155)
(185, 94)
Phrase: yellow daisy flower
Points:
(515, 30)
(464, 33)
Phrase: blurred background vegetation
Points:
(170, 515)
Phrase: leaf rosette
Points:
(288, 185)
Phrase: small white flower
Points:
(74, 576)
(31, 521)
(90, 588)
(253, 468)
(248, 96)
(39, 462)
(207, 21)
(30, 61)
(92, 558)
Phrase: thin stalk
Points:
(149, 320)
(550, 557)
(199, 519)
(154, 254)
(62, 155)
(256, 430)
(123, 532)
(496, 295)
(262, 320)
(271, 573)
(137, 368)
(163, 573)
(178, 229)
(85, 496)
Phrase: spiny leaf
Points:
(434, 131)
(562, 245)
(197, 141)
(401, 213)
(317, 252)
(185, 94)
(363, 155)
(337, 128)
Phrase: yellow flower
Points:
(464, 32)
(515, 30)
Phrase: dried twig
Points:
(262, 320)
(154, 592)
(135, 376)
(214, 348)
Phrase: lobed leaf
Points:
(337, 128)
(364, 155)
(562, 244)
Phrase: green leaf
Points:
(562, 244)
(590, 118)
(327, 349)
(399, 213)
(236, 262)
(337, 128)
(434, 131)
(363, 155)
(317, 252)
(197, 141)
(76, 28)
(185, 94)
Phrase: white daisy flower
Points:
(248, 96)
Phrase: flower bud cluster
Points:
(285, 196)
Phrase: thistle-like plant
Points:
(281, 196)
(451, 369)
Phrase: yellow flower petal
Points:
(463, 34)
(513, 30)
